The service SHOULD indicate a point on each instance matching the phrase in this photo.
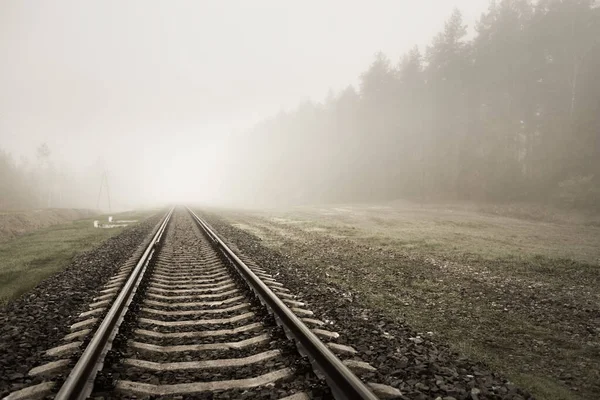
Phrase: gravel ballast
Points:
(39, 319)
(184, 248)
(413, 362)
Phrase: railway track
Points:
(187, 318)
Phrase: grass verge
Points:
(28, 259)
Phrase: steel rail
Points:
(344, 384)
(80, 382)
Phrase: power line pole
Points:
(104, 182)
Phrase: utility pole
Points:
(104, 182)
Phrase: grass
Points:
(28, 259)
(451, 231)
(519, 294)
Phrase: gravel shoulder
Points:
(416, 362)
(38, 320)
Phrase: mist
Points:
(278, 103)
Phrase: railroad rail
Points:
(181, 290)
(80, 381)
(343, 383)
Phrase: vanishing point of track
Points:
(186, 324)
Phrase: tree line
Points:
(511, 114)
(42, 183)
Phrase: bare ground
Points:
(520, 294)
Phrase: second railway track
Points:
(191, 320)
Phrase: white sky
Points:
(122, 79)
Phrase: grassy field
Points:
(17, 222)
(520, 294)
(32, 257)
(455, 231)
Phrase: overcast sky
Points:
(128, 80)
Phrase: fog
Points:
(268, 102)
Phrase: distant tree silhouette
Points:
(511, 114)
